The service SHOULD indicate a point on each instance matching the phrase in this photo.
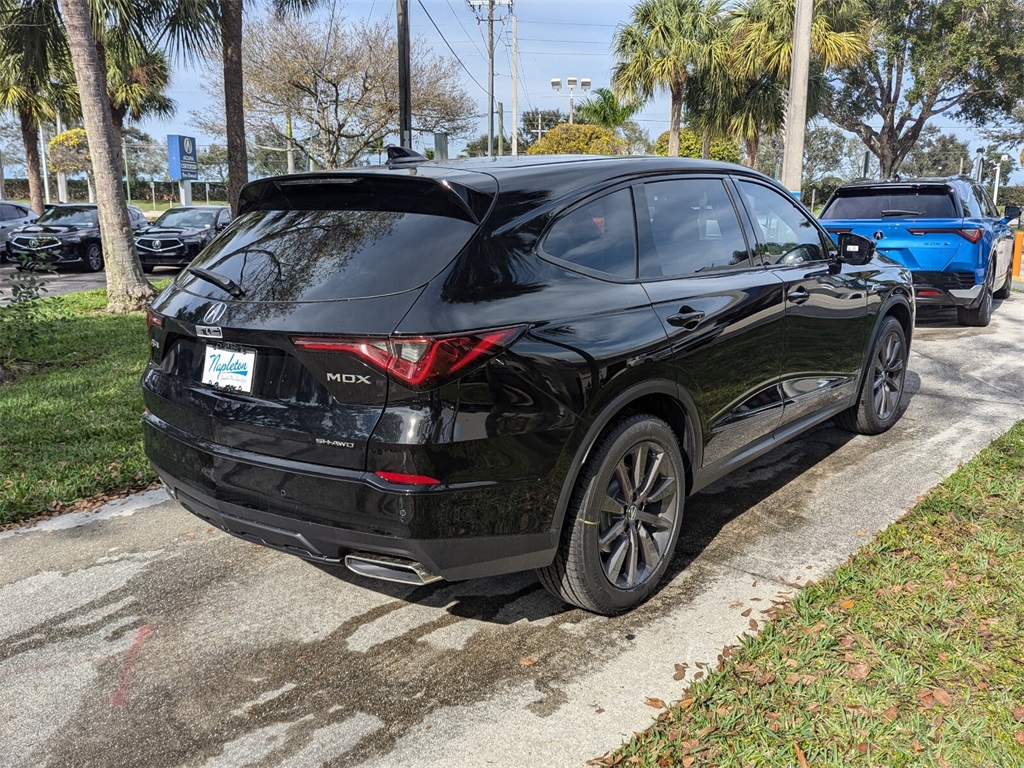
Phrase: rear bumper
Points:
(324, 513)
(946, 289)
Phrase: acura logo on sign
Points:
(215, 313)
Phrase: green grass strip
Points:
(912, 653)
(69, 427)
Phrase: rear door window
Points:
(919, 203)
(599, 235)
(694, 228)
(320, 255)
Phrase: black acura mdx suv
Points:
(453, 370)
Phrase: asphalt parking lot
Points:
(140, 636)
(69, 280)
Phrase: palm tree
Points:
(127, 288)
(604, 108)
(663, 45)
(137, 81)
(229, 13)
(761, 55)
(35, 76)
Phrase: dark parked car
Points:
(66, 234)
(179, 235)
(454, 370)
(12, 216)
(958, 248)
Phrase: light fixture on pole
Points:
(978, 164)
(572, 83)
(999, 168)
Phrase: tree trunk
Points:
(675, 117)
(705, 146)
(234, 114)
(30, 138)
(127, 288)
(753, 144)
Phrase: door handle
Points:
(798, 295)
(685, 318)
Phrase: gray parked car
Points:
(12, 215)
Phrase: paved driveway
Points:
(142, 637)
(69, 279)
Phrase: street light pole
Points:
(583, 83)
(404, 79)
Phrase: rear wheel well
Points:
(672, 412)
(901, 312)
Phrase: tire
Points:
(1004, 291)
(620, 532)
(981, 315)
(878, 403)
(92, 259)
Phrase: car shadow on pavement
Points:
(519, 596)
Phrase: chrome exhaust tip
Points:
(388, 568)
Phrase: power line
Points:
(462, 26)
(461, 64)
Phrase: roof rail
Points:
(403, 156)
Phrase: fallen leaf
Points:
(746, 612)
(791, 679)
(858, 709)
(814, 706)
(916, 746)
(846, 604)
(526, 661)
(862, 748)
(862, 533)
(942, 697)
(753, 624)
(656, 703)
(764, 679)
(680, 672)
(859, 671)
(599, 710)
(801, 758)
(686, 703)
(1019, 736)
(688, 761)
(891, 713)
(1018, 714)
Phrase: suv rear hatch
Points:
(343, 254)
(917, 225)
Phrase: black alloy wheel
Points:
(878, 405)
(93, 260)
(623, 519)
(981, 315)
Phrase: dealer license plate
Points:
(229, 368)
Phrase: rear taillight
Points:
(970, 235)
(401, 478)
(153, 320)
(420, 362)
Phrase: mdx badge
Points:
(348, 378)
(208, 332)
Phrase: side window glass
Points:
(223, 218)
(987, 205)
(8, 213)
(694, 228)
(599, 235)
(785, 233)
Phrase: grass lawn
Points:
(71, 425)
(910, 654)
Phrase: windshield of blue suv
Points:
(70, 217)
(915, 203)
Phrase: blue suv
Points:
(946, 231)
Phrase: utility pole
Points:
(46, 174)
(515, 87)
(796, 109)
(62, 179)
(489, 5)
(501, 129)
(3, 193)
(404, 79)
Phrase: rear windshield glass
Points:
(925, 203)
(330, 254)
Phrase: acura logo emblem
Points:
(879, 235)
(156, 245)
(215, 313)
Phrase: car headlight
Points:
(73, 239)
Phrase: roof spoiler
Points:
(399, 156)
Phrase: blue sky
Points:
(555, 40)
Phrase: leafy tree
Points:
(637, 140)
(578, 139)
(69, 152)
(691, 145)
(961, 58)
(662, 45)
(137, 81)
(478, 147)
(937, 154)
(823, 153)
(213, 163)
(146, 158)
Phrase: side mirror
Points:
(854, 249)
(1011, 212)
